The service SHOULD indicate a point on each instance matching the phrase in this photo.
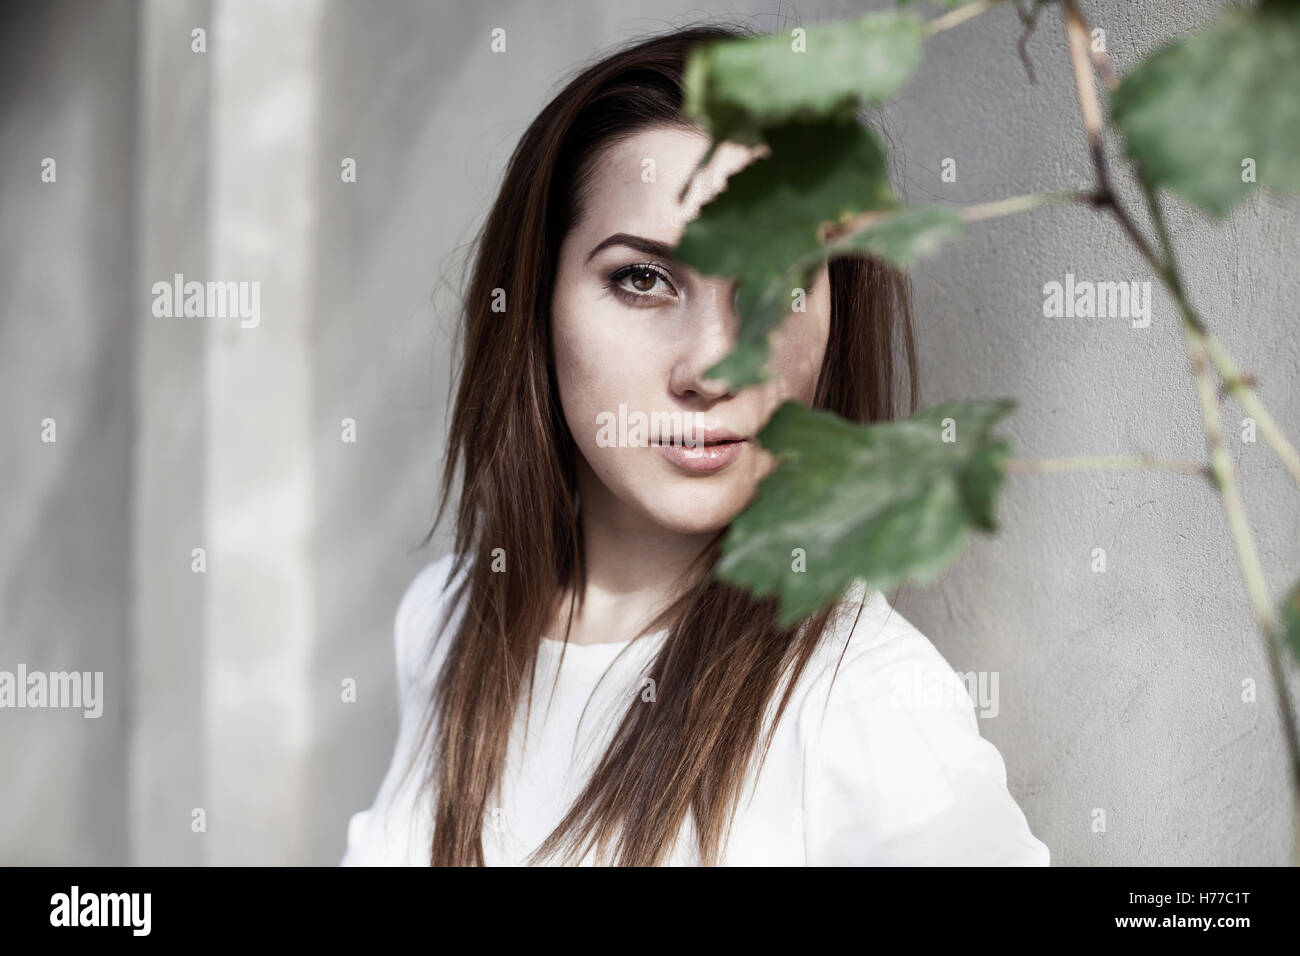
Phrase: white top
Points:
(891, 770)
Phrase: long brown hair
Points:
(690, 753)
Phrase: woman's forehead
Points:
(636, 185)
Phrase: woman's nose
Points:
(708, 336)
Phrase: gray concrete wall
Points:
(174, 160)
(1120, 692)
(67, 353)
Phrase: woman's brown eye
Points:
(645, 284)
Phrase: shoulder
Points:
(896, 769)
(871, 652)
(424, 612)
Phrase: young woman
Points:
(575, 685)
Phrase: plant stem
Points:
(1106, 463)
(959, 16)
(1076, 31)
(1195, 336)
(1248, 557)
(1015, 204)
(1238, 384)
(837, 232)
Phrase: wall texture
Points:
(1121, 692)
(229, 735)
(67, 356)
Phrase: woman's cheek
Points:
(798, 349)
(591, 389)
(578, 397)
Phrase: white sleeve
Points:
(899, 775)
(375, 836)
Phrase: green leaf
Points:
(762, 302)
(738, 88)
(883, 502)
(1291, 621)
(1194, 111)
(769, 214)
(763, 229)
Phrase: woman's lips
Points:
(703, 458)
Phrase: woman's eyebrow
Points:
(650, 247)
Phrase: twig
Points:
(1077, 36)
(1248, 557)
(1241, 387)
(1029, 20)
(1107, 463)
(853, 225)
(1015, 204)
(959, 15)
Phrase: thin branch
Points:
(1240, 386)
(1248, 558)
(1107, 463)
(959, 16)
(1077, 35)
(1168, 261)
(1029, 19)
(853, 225)
(1015, 204)
(1221, 463)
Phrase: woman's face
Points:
(633, 328)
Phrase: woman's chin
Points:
(687, 508)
